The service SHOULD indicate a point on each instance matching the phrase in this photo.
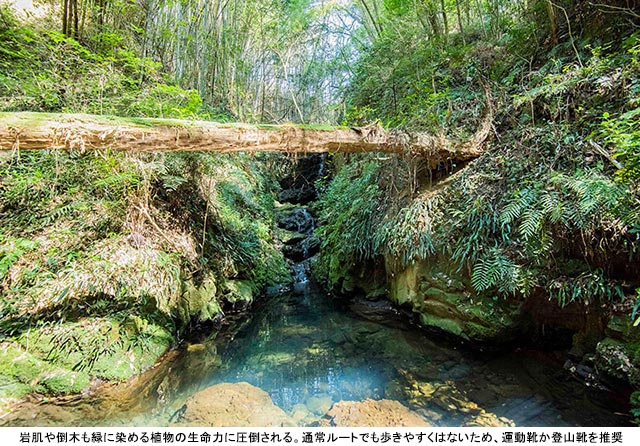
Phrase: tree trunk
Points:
(445, 22)
(65, 17)
(76, 34)
(40, 131)
(553, 22)
(461, 28)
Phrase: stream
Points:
(309, 351)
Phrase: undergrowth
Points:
(108, 256)
(552, 207)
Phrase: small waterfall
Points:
(300, 277)
(300, 220)
(298, 189)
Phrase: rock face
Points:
(442, 299)
(370, 413)
(232, 404)
(299, 186)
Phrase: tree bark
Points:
(553, 22)
(45, 131)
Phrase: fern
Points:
(495, 270)
(531, 224)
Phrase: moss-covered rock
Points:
(239, 292)
(443, 300)
(110, 348)
(22, 372)
(200, 301)
(618, 355)
(104, 256)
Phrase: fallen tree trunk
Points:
(33, 131)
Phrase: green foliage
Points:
(409, 236)
(586, 287)
(495, 270)
(635, 406)
(635, 315)
(42, 70)
(351, 210)
(9, 254)
(96, 250)
(623, 134)
(542, 211)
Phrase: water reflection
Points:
(308, 354)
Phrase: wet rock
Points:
(582, 372)
(381, 311)
(368, 278)
(370, 413)
(38, 414)
(301, 415)
(436, 400)
(295, 219)
(232, 404)
(306, 248)
(487, 419)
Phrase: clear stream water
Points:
(309, 353)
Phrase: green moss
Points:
(619, 359)
(22, 372)
(110, 348)
(239, 291)
(447, 325)
(287, 237)
(441, 298)
(200, 301)
(61, 381)
(122, 363)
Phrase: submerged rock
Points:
(319, 404)
(370, 413)
(232, 405)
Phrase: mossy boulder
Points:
(200, 301)
(289, 237)
(239, 292)
(22, 372)
(618, 355)
(442, 299)
(113, 348)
